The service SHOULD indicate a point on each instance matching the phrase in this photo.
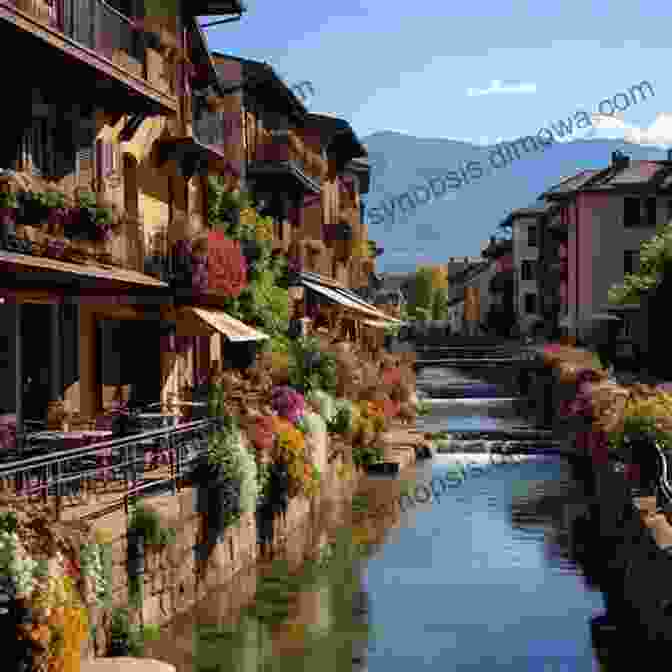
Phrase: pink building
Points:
(603, 218)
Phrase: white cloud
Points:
(497, 86)
(659, 133)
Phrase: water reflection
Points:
(493, 576)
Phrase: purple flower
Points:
(288, 403)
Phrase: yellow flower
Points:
(360, 535)
(103, 535)
(297, 631)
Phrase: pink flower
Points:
(288, 403)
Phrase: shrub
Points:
(365, 455)
(228, 449)
(146, 521)
(312, 423)
(323, 402)
(311, 367)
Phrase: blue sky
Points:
(409, 66)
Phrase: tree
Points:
(440, 304)
(423, 294)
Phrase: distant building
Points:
(603, 217)
(537, 285)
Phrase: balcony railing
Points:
(94, 24)
(56, 475)
(285, 146)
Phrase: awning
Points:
(342, 299)
(379, 324)
(44, 268)
(341, 290)
(203, 321)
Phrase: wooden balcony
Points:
(283, 156)
(104, 45)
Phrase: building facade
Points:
(121, 114)
(604, 216)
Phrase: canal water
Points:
(482, 578)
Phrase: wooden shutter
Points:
(86, 149)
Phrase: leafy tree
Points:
(440, 304)
(423, 294)
(655, 261)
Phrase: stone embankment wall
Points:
(636, 569)
(177, 575)
(181, 574)
(628, 538)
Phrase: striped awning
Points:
(338, 293)
(203, 321)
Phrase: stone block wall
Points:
(187, 571)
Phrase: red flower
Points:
(227, 268)
(391, 408)
(263, 433)
(72, 568)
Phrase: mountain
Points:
(478, 195)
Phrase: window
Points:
(38, 149)
(625, 332)
(632, 212)
(639, 212)
(631, 261)
(532, 235)
(528, 270)
(651, 212)
(530, 303)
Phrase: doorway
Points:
(36, 364)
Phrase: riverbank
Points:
(599, 419)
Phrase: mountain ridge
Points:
(459, 221)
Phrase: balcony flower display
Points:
(288, 404)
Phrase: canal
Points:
(483, 578)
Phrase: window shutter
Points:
(86, 149)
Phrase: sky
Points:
(480, 72)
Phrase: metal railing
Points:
(63, 473)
